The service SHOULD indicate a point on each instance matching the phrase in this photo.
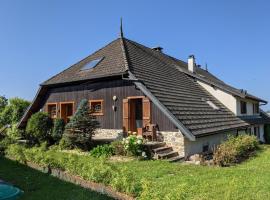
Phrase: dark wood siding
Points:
(106, 90)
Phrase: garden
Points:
(240, 170)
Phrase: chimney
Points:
(158, 48)
(191, 64)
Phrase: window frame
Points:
(63, 103)
(102, 106)
(241, 107)
(47, 109)
(256, 108)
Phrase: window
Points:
(91, 64)
(205, 148)
(255, 108)
(52, 110)
(96, 107)
(243, 105)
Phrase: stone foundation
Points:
(173, 139)
(109, 134)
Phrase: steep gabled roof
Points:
(179, 92)
(112, 63)
(166, 79)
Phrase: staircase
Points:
(160, 151)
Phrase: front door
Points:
(136, 114)
(66, 111)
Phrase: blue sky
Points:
(41, 38)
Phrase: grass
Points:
(156, 179)
(37, 185)
(249, 180)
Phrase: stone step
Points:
(161, 149)
(167, 155)
(155, 145)
(176, 159)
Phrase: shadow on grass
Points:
(37, 185)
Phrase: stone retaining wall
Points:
(112, 134)
(173, 139)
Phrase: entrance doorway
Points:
(66, 111)
(136, 114)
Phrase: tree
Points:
(58, 129)
(39, 127)
(3, 103)
(81, 128)
(14, 111)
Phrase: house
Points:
(129, 85)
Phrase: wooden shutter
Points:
(126, 115)
(146, 111)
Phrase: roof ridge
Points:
(124, 52)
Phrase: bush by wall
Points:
(133, 145)
(81, 128)
(58, 129)
(235, 149)
(39, 127)
(118, 148)
(105, 150)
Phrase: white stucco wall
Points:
(227, 99)
(193, 147)
(231, 102)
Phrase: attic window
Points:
(91, 64)
(214, 106)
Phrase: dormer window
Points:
(243, 106)
(255, 108)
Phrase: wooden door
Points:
(126, 117)
(132, 116)
(146, 111)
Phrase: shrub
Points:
(81, 127)
(14, 133)
(105, 150)
(58, 129)
(17, 152)
(235, 149)
(133, 145)
(118, 148)
(65, 143)
(39, 127)
(4, 143)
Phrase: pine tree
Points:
(81, 128)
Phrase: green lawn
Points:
(39, 186)
(150, 180)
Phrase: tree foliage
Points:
(58, 129)
(80, 129)
(13, 112)
(3, 103)
(39, 127)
